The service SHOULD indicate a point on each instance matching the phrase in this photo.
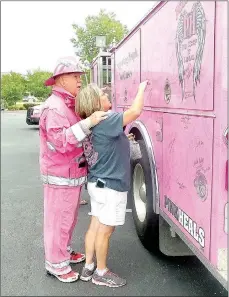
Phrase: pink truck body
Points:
(181, 48)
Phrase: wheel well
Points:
(140, 132)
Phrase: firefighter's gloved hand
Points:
(96, 118)
(92, 121)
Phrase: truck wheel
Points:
(142, 196)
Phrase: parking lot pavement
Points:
(22, 255)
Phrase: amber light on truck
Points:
(225, 139)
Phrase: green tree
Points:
(105, 23)
(35, 83)
(13, 87)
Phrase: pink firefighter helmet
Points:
(65, 65)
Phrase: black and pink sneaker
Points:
(109, 279)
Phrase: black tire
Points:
(28, 116)
(148, 229)
(28, 121)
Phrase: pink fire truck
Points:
(180, 184)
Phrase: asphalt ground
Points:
(22, 255)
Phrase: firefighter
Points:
(63, 167)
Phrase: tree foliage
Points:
(13, 87)
(105, 23)
(35, 83)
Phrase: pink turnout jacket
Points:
(61, 132)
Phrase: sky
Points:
(36, 34)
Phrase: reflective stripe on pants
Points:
(60, 216)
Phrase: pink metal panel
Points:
(178, 55)
(220, 176)
(187, 175)
(127, 70)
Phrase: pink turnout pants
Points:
(60, 216)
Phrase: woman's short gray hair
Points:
(88, 100)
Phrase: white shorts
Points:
(108, 205)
